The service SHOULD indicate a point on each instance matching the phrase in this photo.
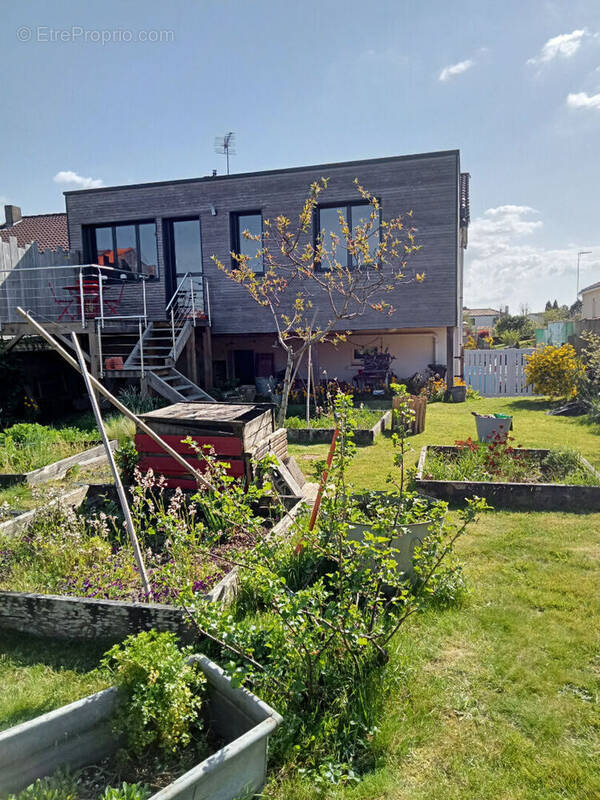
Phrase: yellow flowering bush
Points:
(554, 371)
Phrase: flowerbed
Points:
(501, 462)
(365, 418)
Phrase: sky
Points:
(116, 92)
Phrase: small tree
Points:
(345, 274)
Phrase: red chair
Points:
(67, 303)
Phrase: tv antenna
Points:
(225, 145)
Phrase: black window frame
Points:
(235, 235)
(91, 251)
(169, 249)
(347, 205)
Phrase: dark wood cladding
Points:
(426, 184)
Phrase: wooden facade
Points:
(428, 184)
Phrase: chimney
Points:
(12, 214)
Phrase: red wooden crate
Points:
(223, 445)
(169, 467)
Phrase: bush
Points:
(554, 371)
(161, 692)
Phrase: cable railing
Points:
(72, 294)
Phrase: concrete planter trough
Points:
(58, 469)
(522, 496)
(362, 436)
(80, 734)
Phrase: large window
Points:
(250, 221)
(327, 221)
(129, 247)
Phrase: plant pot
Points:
(489, 428)
(458, 394)
(80, 734)
(405, 543)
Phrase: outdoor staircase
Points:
(156, 355)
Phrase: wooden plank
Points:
(170, 468)
(224, 445)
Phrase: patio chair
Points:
(65, 302)
(112, 304)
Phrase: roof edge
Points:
(283, 171)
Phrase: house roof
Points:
(482, 312)
(48, 230)
(590, 287)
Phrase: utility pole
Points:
(579, 254)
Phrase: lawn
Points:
(499, 698)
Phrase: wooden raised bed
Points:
(58, 469)
(238, 432)
(522, 496)
(87, 619)
(362, 436)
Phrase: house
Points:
(152, 244)
(590, 299)
(49, 231)
(483, 318)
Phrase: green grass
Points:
(29, 446)
(499, 698)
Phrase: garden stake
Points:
(197, 476)
(111, 460)
(317, 505)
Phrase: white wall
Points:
(413, 350)
(591, 304)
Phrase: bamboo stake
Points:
(139, 559)
(317, 505)
(117, 403)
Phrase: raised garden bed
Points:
(362, 436)
(57, 469)
(80, 734)
(75, 618)
(529, 496)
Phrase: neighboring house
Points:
(165, 233)
(483, 318)
(49, 231)
(590, 299)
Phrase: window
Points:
(328, 222)
(129, 247)
(250, 221)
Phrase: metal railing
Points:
(70, 294)
(188, 305)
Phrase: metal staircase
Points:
(161, 343)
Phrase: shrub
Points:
(554, 371)
(60, 786)
(128, 791)
(161, 692)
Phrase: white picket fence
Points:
(497, 373)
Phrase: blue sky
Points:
(514, 85)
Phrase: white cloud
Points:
(70, 178)
(502, 267)
(565, 45)
(583, 100)
(455, 69)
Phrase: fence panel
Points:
(497, 373)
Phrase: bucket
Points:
(489, 428)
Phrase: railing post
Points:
(144, 296)
(99, 325)
(173, 334)
(100, 291)
(81, 298)
(192, 294)
(207, 292)
(141, 347)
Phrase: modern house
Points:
(483, 318)
(590, 301)
(147, 273)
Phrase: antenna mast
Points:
(225, 145)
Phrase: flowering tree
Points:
(314, 290)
